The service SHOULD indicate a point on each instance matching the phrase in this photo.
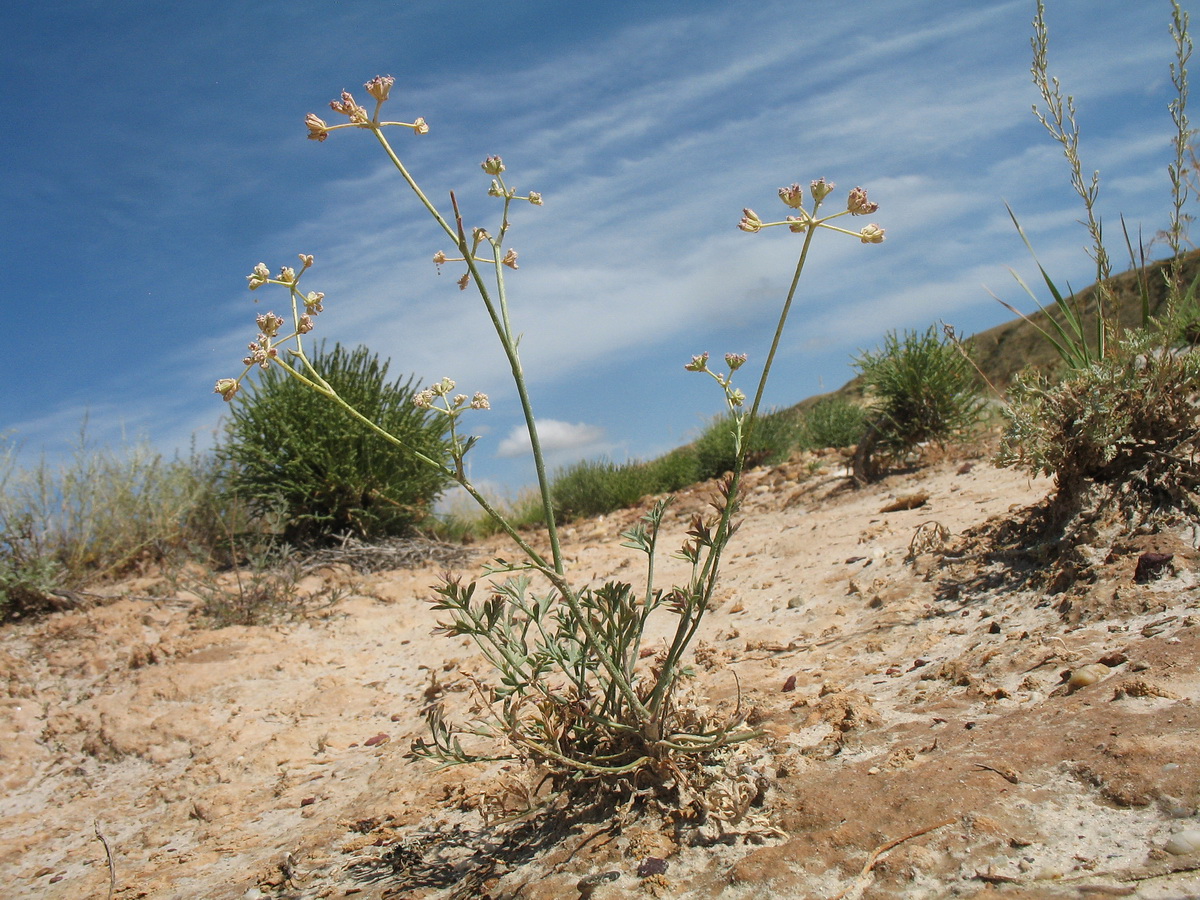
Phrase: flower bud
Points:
(510, 259)
(420, 127)
(858, 204)
(287, 275)
(464, 281)
(439, 258)
(269, 324)
(306, 260)
(379, 86)
(459, 400)
(800, 224)
(317, 129)
(312, 302)
(480, 401)
(423, 399)
(793, 195)
(349, 108)
(736, 397)
(698, 363)
(750, 221)
(443, 387)
(871, 234)
(261, 353)
(535, 198)
(494, 190)
(735, 361)
(226, 387)
(305, 325)
(493, 165)
(259, 276)
(821, 189)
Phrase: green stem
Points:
(707, 576)
(387, 148)
(509, 344)
(500, 323)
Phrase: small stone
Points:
(652, 865)
(1152, 566)
(1086, 675)
(1183, 843)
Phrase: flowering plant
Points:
(576, 693)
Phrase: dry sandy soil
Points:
(921, 739)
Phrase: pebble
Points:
(1089, 674)
(1183, 843)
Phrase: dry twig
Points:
(112, 868)
(860, 882)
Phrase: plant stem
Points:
(707, 576)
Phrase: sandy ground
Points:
(920, 740)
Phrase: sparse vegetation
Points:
(833, 422)
(98, 516)
(594, 487)
(776, 435)
(921, 388)
(1127, 424)
(1119, 431)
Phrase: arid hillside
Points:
(936, 723)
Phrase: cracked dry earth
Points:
(921, 737)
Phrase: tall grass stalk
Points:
(1079, 344)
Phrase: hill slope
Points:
(920, 738)
(1003, 351)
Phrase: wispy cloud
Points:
(646, 140)
(556, 438)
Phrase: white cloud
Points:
(556, 438)
(646, 141)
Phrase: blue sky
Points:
(153, 153)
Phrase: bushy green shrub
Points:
(922, 388)
(295, 453)
(1128, 421)
(775, 435)
(672, 471)
(833, 422)
(594, 487)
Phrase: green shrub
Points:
(594, 487)
(672, 471)
(295, 453)
(922, 388)
(833, 422)
(1128, 421)
(775, 435)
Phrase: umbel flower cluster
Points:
(857, 204)
(264, 349)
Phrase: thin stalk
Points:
(500, 324)
(708, 572)
(387, 148)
